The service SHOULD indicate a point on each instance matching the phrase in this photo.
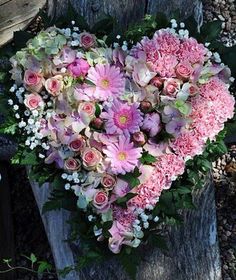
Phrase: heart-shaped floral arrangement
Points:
(118, 124)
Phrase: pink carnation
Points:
(166, 42)
(192, 51)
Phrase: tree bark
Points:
(193, 248)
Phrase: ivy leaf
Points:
(147, 158)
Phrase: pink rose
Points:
(87, 40)
(139, 138)
(157, 82)
(33, 80)
(97, 123)
(91, 158)
(100, 200)
(72, 164)
(108, 181)
(171, 87)
(87, 107)
(54, 85)
(33, 101)
(145, 106)
(183, 71)
(77, 144)
(79, 67)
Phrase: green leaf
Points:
(44, 266)
(184, 190)
(132, 178)
(122, 200)
(147, 158)
(211, 30)
(183, 107)
(33, 258)
(65, 271)
(130, 262)
(98, 110)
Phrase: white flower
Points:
(27, 142)
(10, 102)
(182, 24)
(15, 107)
(41, 156)
(30, 121)
(64, 176)
(156, 219)
(17, 116)
(73, 22)
(67, 186)
(118, 37)
(146, 225)
(27, 113)
(90, 218)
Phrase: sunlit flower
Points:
(108, 82)
(123, 157)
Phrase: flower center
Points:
(122, 156)
(105, 83)
(123, 119)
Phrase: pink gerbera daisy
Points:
(122, 156)
(108, 82)
(122, 118)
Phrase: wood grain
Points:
(16, 15)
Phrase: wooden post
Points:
(6, 223)
(194, 251)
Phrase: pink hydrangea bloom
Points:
(122, 118)
(108, 81)
(122, 156)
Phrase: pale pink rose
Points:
(142, 74)
(184, 70)
(108, 181)
(54, 85)
(77, 144)
(87, 107)
(33, 101)
(72, 164)
(91, 158)
(79, 67)
(100, 200)
(171, 87)
(33, 80)
(87, 40)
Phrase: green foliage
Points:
(122, 200)
(132, 178)
(147, 158)
(130, 261)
